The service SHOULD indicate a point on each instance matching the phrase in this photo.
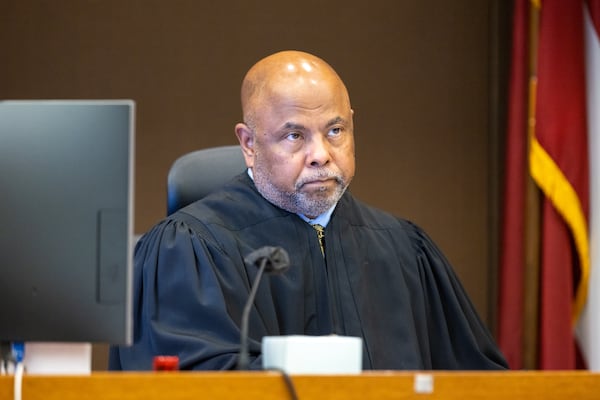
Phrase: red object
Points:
(165, 363)
(561, 130)
(512, 261)
(594, 8)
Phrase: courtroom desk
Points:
(511, 385)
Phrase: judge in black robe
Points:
(382, 279)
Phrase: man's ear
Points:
(245, 136)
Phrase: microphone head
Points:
(276, 259)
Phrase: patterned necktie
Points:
(321, 235)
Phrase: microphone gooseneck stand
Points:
(274, 260)
(243, 360)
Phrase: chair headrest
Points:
(196, 174)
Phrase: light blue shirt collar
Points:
(322, 219)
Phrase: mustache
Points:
(320, 175)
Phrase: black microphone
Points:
(273, 260)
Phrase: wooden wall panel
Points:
(418, 75)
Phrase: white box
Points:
(297, 354)
(58, 358)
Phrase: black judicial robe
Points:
(382, 280)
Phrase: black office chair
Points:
(196, 174)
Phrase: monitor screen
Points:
(66, 203)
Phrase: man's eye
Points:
(335, 131)
(293, 136)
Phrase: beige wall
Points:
(422, 75)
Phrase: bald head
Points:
(282, 74)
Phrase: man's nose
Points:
(319, 151)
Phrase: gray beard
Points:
(309, 204)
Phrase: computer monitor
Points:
(66, 203)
